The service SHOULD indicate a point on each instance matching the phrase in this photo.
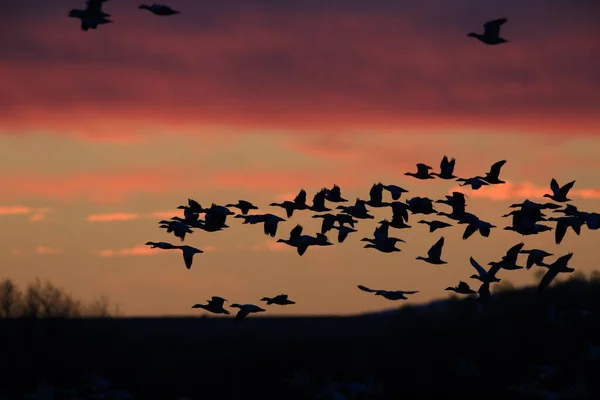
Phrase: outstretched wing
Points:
(495, 169)
(366, 289)
(492, 28)
(479, 268)
(436, 250)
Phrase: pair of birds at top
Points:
(93, 15)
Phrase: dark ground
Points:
(413, 351)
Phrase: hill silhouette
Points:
(459, 346)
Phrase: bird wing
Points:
(243, 313)
(376, 193)
(492, 28)
(469, 230)
(563, 260)
(296, 232)
(495, 169)
(301, 197)
(464, 285)
(559, 233)
(547, 278)
(94, 6)
(484, 291)
(301, 248)
(319, 199)
(366, 289)
(410, 292)
(217, 301)
(513, 252)
(565, 189)
(188, 257)
(494, 269)
(482, 272)
(436, 250)
(554, 186)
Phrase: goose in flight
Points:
(270, 222)
(491, 32)
(189, 215)
(160, 245)
(388, 294)
(485, 296)
(509, 260)
(435, 253)
(334, 195)
(358, 210)
(462, 288)
(303, 242)
(563, 223)
(245, 310)
(159, 9)
(557, 267)
(446, 169)
(420, 205)
(533, 206)
(387, 245)
(92, 15)
(318, 203)
(395, 191)
(475, 183)
(535, 257)
(244, 206)
(474, 225)
(281, 300)
(484, 276)
(400, 210)
(559, 193)
(299, 203)
(422, 172)
(376, 196)
(435, 225)
(328, 223)
(214, 305)
(179, 229)
(397, 222)
(493, 176)
(343, 232)
(195, 206)
(188, 254)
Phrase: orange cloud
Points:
(47, 250)
(117, 216)
(271, 245)
(15, 210)
(520, 190)
(35, 214)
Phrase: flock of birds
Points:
(526, 219)
(92, 16)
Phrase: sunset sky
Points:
(103, 133)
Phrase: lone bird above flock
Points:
(159, 9)
(559, 194)
(491, 32)
(214, 305)
(388, 294)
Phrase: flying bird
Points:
(461, 288)
(281, 300)
(159, 9)
(388, 294)
(559, 193)
(92, 15)
(245, 310)
(244, 206)
(435, 253)
(557, 267)
(434, 225)
(422, 172)
(491, 32)
(446, 169)
(188, 254)
(214, 305)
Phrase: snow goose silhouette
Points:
(474, 225)
(388, 294)
(270, 222)
(281, 299)
(462, 288)
(188, 254)
(299, 203)
(318, 203)
(422, 172)
(343, 232)
(484, 276)
(244, 206)
(334, 195)
(303, 242)
(159, 9)
(435, 253)
(493, 176)
(245, 310)
(395, 191)
(563, 223)
(92, 15)
(475, 183)
(376, 196)
(328, 223)
(178, 228)
(559, 193)
(491, 32)
(420, 205)
(387, 245)
(557, 267)
(535, 257)
(160, 245)
(358, 210)
(446, 169)
(435, 225)
(189, 215)
(214, 305)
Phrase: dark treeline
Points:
(458, 346)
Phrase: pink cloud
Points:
(14, 210)
(35, 214)
(47, 250)
(271, 245)
(139, 250)
(520, 190)
(111, 217)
